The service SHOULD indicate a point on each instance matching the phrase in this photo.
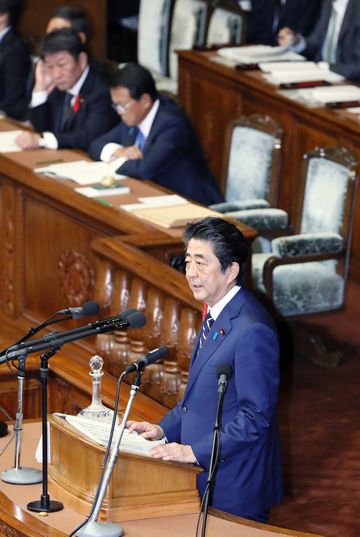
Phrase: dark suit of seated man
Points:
(154, 140)
(70, 103)
(14, 65)
(334, 40)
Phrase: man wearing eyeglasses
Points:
(154, 139)
(70, 103)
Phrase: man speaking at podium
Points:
(236, 331)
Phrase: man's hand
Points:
(148, 430)
(286, 37)
(43, 82)
(174, 452)
(131, 152)
(28, 140)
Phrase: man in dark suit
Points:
(70, 103)
(154, 140)
(14, 64)
(242, 334)
(335, 39)
(267, 17)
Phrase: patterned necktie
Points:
(206, 327)
(67, 112)
(140, 140)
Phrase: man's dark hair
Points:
(136, 79)
(228, 243)
(64, 39)
(13, 8)
(75, 16)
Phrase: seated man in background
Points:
(70, 104)
(267, 17)
(14, 64)
(335, 39)
(154, 140)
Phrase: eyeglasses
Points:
(121, 108)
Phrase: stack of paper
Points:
(82, 172)
(257, 54)
(99, 432)
(175, 216)
(335, 94)
(293, 72)
(7, 141)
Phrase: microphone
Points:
(88, 309)
(224, 374)
(146, 360)
(137, 319)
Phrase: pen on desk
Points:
(48, 162)
(104, 202)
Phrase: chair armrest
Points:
(262, 219)
(239, 205)
(305, 245)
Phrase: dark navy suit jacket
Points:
(299, 15)
(348, 49)
(14, 72)
(248, 479)
(94, 116)
(172, 156)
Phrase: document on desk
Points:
(255, 54)
(82, 172)
(292, 72)
(7, 141)
(99, 433)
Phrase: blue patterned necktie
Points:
(206, 327)
(140, 140)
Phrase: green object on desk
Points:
(104, 202)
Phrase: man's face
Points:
(64, 69)
(57, 23)
(204, 275)
(132, 111)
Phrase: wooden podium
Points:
(160, 488)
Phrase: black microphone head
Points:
(90, 308)
(136, 319)
(224, 369)
(125, 314)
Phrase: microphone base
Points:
(40, 506)
(100, 529)
(21, 476)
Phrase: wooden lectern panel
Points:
(161, 488)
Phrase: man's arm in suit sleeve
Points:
(162, 152)
(256, 377)
(115, 135)
(16, 68)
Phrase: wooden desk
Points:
(213, 95)
(16, 521)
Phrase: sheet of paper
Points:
(281, 77)
(258, 54)
(163, 201)
(81, 171)
(7, 141)
(99, 433)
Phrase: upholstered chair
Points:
(251, 174)
(153, 35)
(187, 30)
(226, 26)
(306, 272)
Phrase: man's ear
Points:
(83, 60)
(147, 100)
(233, 271)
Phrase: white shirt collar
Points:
(146, 123)
(4, 32)
(75, 90)
(340, 6)
(219, 306)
